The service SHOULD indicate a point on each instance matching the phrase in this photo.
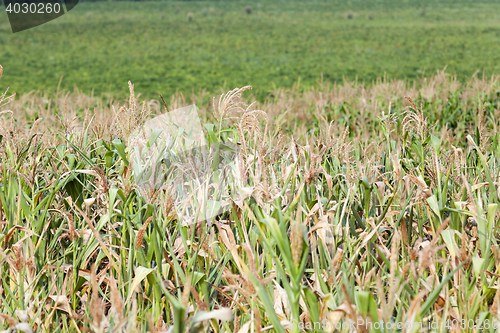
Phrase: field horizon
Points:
(221, 46)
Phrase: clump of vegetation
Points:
(209, 12)
(248, 10)
(358, 204)
(349, 15)
(189, 16)
(422, 12)
(371, 17)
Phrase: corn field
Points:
(358, 204)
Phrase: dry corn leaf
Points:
(245, 327)
(334, 318)
(281, 302)
(224, 314)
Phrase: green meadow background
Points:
(184, 46)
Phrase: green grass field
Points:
(99, 46)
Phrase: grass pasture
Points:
(100, 45)
(360, 205)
